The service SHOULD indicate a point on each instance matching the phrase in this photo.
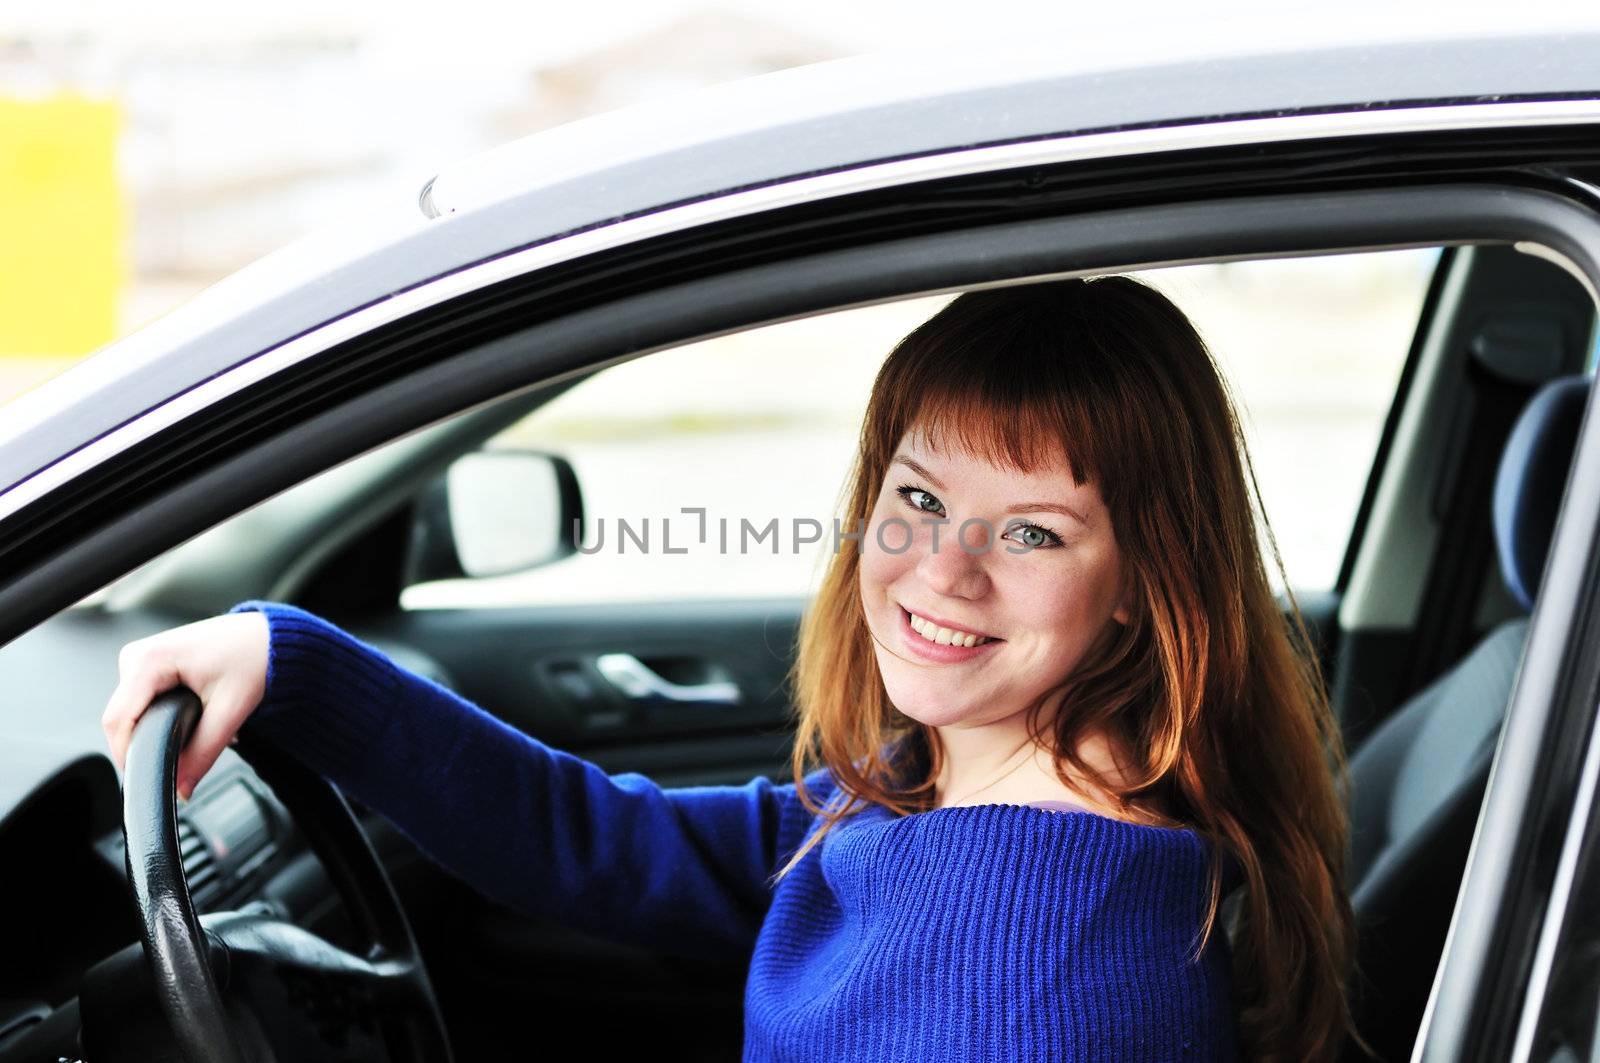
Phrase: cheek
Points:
(873, 574)
(1077, 594)
(879, 566)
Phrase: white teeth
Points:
(944, 636)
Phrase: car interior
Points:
(1420, 638)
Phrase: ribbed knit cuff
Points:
(328, 695)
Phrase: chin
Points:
(927, 704)
(925, 694)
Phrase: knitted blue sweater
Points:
(984, 932)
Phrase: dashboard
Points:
(66, 895)
(63, 880)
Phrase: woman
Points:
(1058, 715)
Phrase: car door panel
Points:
(543, 671)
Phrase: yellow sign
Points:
(63, 225)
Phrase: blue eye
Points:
(920, 500)
(1029, 536)
(1032, 536)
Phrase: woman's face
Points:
(1039, 578)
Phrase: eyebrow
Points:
(1021, 507)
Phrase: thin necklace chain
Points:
(999, 778)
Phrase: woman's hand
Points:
(223, 660)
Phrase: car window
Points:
(714, 469)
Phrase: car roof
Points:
(874, 108)
(827, 118)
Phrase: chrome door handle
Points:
(637, 681)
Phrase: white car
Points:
(207, 460)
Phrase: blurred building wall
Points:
(141, 161)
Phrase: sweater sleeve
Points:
(682, 871)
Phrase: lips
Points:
(918, 645)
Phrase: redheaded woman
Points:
(1050, 718)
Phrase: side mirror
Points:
(495, 512)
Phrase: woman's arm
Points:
(677, 870)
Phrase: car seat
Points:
(1417, 782)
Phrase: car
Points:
(337, 427)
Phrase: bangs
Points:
(1025, 435)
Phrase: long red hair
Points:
(1213, 693)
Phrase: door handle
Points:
(638, 682)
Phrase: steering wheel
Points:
(237, 987)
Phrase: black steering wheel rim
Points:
(189, 963)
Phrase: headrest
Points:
(1533, 473)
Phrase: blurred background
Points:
(148, 150)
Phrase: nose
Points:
(949, 569)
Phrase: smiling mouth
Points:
(945, 636)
